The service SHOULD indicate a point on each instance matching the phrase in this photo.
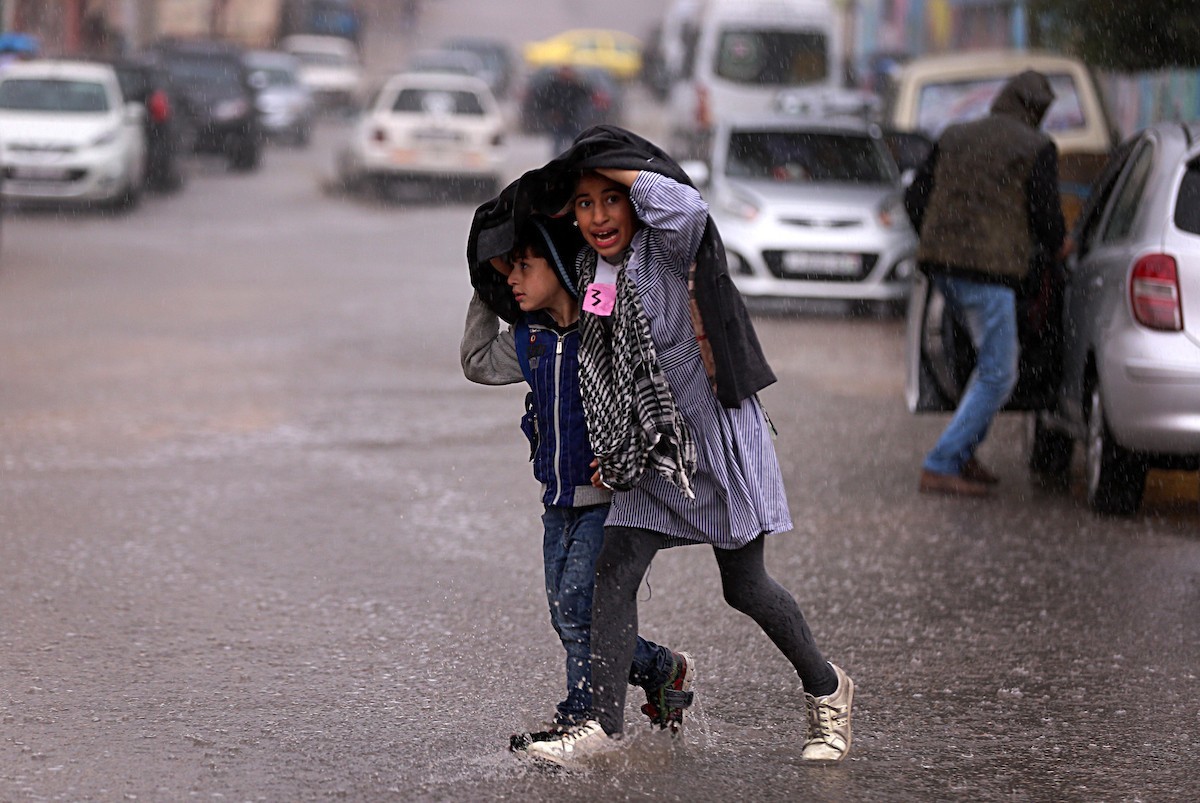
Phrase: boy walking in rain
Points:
(541, 347)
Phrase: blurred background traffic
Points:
(801, 121)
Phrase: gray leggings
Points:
(622, 564)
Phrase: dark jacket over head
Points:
(741, 368)
(986, 200)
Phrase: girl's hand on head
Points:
(502, 265)
(626, 177)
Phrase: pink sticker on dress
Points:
(599, 299)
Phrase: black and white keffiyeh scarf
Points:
(631, 415)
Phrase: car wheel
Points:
(1049, 450)
(1116, 477)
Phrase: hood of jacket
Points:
(1027, 96)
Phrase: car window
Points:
(1128, 194)
(771, 57)
(943, 103)
(438, 101)
(53, 95)
(1187, 203)
(206, 72)
(801, 156)
(278, 76)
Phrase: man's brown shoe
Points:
(950, 485)
(975, 471)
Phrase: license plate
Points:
(437, 136)
(37, 173)
(831, 264)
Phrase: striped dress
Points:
(738, 484)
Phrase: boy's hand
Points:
(597, 482)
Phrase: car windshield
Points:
(53, 95)
(278, 76)
(947, 102)
(315, 58)
(205, 72)
(772, 57)
(803, 156)
(437, 101)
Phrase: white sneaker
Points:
(576, 744)
(829, 721)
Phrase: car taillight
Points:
(703, 108)
(601, 102)
(158, 107)
(1154, 292)
(379, 135)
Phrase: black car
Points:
(215, 90)
(168, 129)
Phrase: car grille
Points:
(67, 176)
(40, 147)
(819, 266)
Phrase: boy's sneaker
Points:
(829, 721)
(575, 745)
(665, 704)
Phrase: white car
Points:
(69, 135)
(427, 126)
(810, 209)
(329, 67)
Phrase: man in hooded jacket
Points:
(984, 203)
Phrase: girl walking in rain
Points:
(669, 391)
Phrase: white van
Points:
(746, 52)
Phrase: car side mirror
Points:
(697, 171)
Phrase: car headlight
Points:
(740, 206)
(891, 214)
(231, 109)
(107, 138)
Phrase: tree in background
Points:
(1129, 35)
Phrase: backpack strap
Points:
(521, 340)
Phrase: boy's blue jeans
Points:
(989, 311)
(573, 537)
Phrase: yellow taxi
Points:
(616, 52)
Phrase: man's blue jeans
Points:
(573, 537)
(989, 312)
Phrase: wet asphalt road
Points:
(260, 540)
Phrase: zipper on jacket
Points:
(558, 350)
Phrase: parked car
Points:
(498, 62)
(285, 106)
(433, 127)
(69, 134)
(616, 52)
(809, 208)
(214, 87)
(929, 93)
(606, 104)
(329, 67)
(1129, 387)
(169, 135)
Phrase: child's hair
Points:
(549, 240)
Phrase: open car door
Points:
(941, 358)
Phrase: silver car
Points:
(810, 209)
(285, 106)
(1130, 385)
(1110, 341)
